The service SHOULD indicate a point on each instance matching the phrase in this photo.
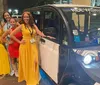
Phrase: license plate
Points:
(97, 83)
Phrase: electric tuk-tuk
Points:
(72, 56)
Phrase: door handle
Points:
(42, 40)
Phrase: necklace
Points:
(31, 32)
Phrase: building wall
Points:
(81, 2)
(5, 5)
(1, 8)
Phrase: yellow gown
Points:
(28, 59)
(4, 60)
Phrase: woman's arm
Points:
(18, 24)
(5, 34)
(38, 31)
(3, 37)
(18, 29)
(42, 34)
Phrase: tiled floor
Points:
(13, 81)
(8, 80)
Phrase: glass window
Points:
(79, 21)
(84, 25)
(51, 24)
(36, 16)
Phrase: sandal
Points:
(2, 76)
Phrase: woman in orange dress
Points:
(28, 50)
(4, 60)
(13, 47)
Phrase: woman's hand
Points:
(10, 42)
(50, 37)
(3, 40)
(0, 40)
(22, 42)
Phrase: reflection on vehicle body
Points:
(72, 57)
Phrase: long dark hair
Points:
(31, 20)
(4, 17)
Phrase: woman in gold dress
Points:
(28, 50)
(4, 60)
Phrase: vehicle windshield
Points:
(84, 24)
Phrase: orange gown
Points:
(28, 59)
(4, 60)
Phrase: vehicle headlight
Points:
(88, 59)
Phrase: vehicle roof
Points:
(62, 6)
(70, 5)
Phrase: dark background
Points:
(22, 4)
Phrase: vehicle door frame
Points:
(62, 20)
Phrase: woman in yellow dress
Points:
(4, 60)
(28, 50)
